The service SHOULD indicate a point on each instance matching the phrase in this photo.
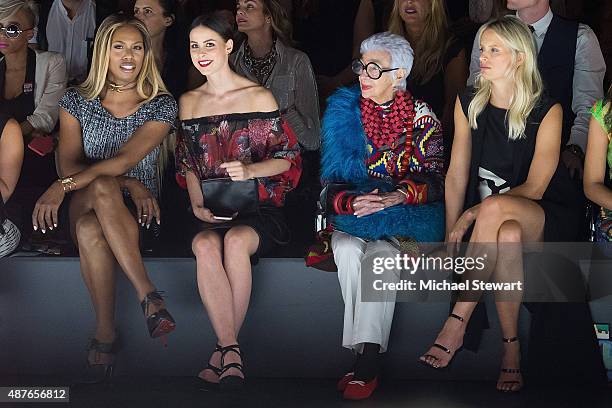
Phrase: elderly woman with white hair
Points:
(386, 148)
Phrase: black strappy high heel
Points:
(97, 373)
(161, 322)
(443, 348)
(214, 369)
(511, 370)
(231, 382)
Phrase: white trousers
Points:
(364, 322)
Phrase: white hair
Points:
(402, 55)
(10, 7)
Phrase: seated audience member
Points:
(31, 84)
(482, 11)
(170, 48)
(572, 67)
(111, 129)
(440, 69)
(388, 144)
(68, 27)
(509, 201)
(11, 156)
(352, 22)
(267, 58)
(598, 167)
(231, 128)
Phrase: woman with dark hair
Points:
(111, 129)
(11, 156)
(231, 127)
(440, 67)
(267, 58)
(168, 39)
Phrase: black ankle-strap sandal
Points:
(213, 368)
(99, 372)
(443, 348)
(161, 322)
(231, 382)
(511, 370)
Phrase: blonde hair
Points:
(149, 83)
(429, 50)
(527, 79)
(10, 7)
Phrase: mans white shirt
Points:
(70, 37)
(589, 72)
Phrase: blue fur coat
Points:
(343, 159)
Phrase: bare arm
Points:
(11, 157)
(595, 166)
(546, 157)
(459, 168)
(72, 159)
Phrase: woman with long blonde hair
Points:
(440, 67)
(505, 179)
(111, 129)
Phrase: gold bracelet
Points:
(68, 184)
(402, 191)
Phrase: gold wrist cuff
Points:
(68, 184)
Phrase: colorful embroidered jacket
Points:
(348, 156)
(203, 144)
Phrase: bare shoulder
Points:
(554, 113)
(187, 101)
(263, 100)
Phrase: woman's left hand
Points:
(237, 170)
(392, 198)
(46, 208)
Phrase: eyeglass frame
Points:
(364, 68)
(19, 31)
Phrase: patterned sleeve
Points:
(424, 181)
(183, 159)
(163, 108)
(281, 143)
(71, 103)
(599, 112)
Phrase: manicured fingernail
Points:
(139, 221)
(35, 228)
(55, 225)
(44, 231)
(148, 225)
(50, 228)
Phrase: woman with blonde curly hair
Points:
(111, 130)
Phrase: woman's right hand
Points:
(146, 204)
(455, 236)
(204, 214)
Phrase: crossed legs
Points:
(105, 231)
(507, 221)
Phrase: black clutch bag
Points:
(224, 197)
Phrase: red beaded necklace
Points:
(386, 130)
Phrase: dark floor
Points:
(180, 392)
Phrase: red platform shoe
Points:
(358, 390)
(343, 382)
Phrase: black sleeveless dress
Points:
(499, 164)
